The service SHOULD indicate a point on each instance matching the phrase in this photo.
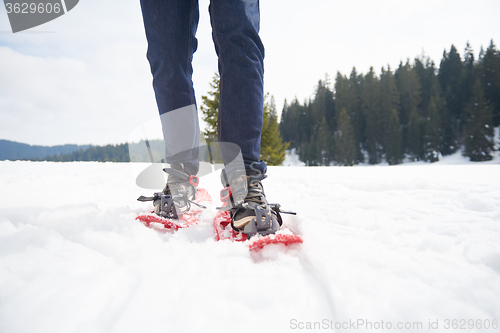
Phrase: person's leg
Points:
(170, 27)
(235, 31)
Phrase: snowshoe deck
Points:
(224, 230)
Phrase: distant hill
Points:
(108, 153)
(11, 150)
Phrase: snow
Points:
(292, 159)
(414, 243)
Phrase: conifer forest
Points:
(417, 111)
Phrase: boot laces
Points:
(256, 193)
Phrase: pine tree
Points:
(356, 113)
(324, 143)
(478, 126)
(468, 76)
(370, 95)
(394, 140)
(414, 137)
(309, 151)
(343, 95)
(348, 96)
(273, 149)
(450, 72)
(489, 71)
(323, 104)
(389, 101)
(432, 133)
(425, 70)
(409, 91)
(438, 127)
(345, 144)
(306, 123)
(322, 110)
(210, 110)
(290, 126)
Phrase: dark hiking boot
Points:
(244, 197)
(177, 196)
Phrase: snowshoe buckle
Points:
(166, 207)
(266, 222)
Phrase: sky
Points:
(84, 77)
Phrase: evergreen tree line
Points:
(418, 111)
(108, 153)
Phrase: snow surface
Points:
(404, 244)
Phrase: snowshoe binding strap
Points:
(145, 199)
(266, 221)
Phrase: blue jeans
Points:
(171, 33)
